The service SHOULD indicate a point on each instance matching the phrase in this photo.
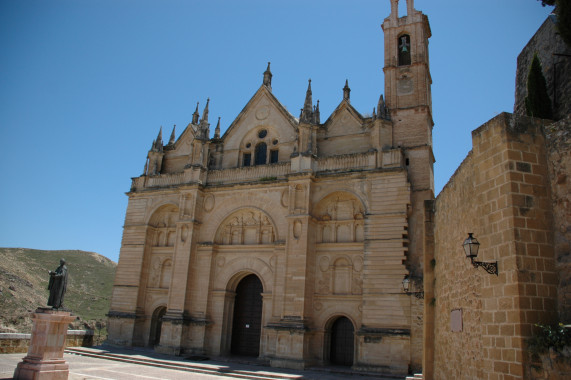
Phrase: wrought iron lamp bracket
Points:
(490, 267)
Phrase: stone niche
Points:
(340, 218)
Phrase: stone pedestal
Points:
(45, 354)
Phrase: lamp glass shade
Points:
(406, 284)
(471, 246)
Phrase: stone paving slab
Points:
(105, 363)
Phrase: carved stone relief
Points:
(246, 227)
(160, 272)
(163, 223)
(209, 202)
(339, 274)
(186, 208)
(341, 219)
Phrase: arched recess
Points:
(162, 226)
(340, 341)
(226, 283)
(156, 325)
(157, 261)
(246, 226)
(340, 217)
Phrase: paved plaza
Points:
(127, 364)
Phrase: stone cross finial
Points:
(346, 90)
(268, 77)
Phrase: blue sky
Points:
(86, 84)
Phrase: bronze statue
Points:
(57, 285)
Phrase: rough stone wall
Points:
(558, 136)
(556, 62)
(19, 343)
(501, 194)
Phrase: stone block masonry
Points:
(501, 193)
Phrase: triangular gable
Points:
(263, 91)
(181, 146)
(345, 119)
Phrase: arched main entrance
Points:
(247, 321)
(342, 342)
(156, 325)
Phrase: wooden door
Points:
(247, 322)
(342, 342)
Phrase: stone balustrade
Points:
(356, 161)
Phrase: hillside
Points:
(24, 280)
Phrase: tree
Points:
(537, 102)
(547, 2)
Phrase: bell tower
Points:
(407, 91)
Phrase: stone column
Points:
(45, 354)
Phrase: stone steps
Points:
(417, 376)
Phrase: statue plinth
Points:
(45, 354)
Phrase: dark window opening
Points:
(247, 159)
(263, 133)
(261, 153)
(403, 44)
(406, 162)
(274, 156)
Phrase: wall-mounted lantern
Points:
(471, 247)
(406, 288)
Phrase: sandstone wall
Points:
(501, 193)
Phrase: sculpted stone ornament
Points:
(57, 285)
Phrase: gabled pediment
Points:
(182, 146)
(262, 110)
(345, 120)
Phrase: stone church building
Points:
(288, 238)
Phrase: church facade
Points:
(288, 238)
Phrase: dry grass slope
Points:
(24, 279)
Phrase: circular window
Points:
(275, 142)
(248, 145)
(263, 133)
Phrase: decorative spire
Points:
(205, 112)
(307, 110)
(374, 115)
(160, 135)
(382, 110)
(173, 135)
(217, 129)
(268, 77)
(316, 116)
(346, 91)
(158, 143)
(195, 115)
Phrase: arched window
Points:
(403, 44)
(260, 154)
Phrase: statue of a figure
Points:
(57, 285)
